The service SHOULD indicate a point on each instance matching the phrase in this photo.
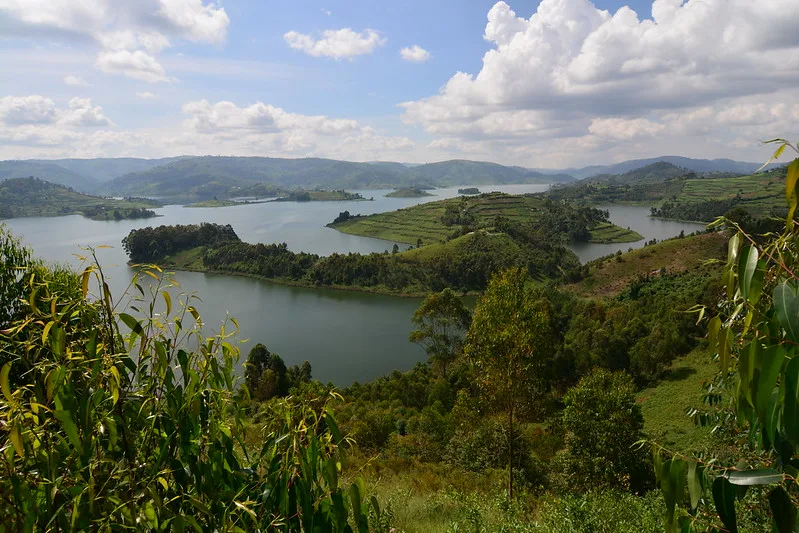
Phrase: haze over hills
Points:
(696, 165)
(203, 177)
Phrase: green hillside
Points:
(202, 178)
(27, 197)
(435, 222)
(48, 171)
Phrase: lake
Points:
(347, 336)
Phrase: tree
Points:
(265, 374)
(509, 346)
(602, 423)
(395, 248)
(442, 321)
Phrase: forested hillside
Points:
(26, 197)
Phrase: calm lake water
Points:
(347, 336)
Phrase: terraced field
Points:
(424, 221)
(759, 193)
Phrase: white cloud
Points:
(326, 12)
(415, 53)
(137, 65)
(34, 109)
(577, 76)
(264, 128)
(75, 81)
(128, 33)
(338, 44)
(147, 95)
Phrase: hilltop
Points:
(47, 171)
(435, 222)
(205, 177)
(26, 197)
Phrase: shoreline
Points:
(301, 284)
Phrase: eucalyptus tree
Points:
(509, 347)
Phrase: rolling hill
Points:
(205, 177)
(47, 171)
(25, 197)
(688, 163)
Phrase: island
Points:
(408, 193)
(224, 203)
(34, 197)
(469, 191)
(321, 196)
(437, 222)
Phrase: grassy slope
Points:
(27, 197)
(760, 193)
(664, 405)
(424, 221)
(676, 255)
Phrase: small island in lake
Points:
(408, 193)
(321, 196)
(34, 197)
(469, 190)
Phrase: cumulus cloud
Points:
(128, 33)
(146, 95)
(137, 65)
(573, 71)
(75, 81)
(415, 54)
(266, 128)
(40, 110)
(338, 44)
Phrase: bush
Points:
(602, 424)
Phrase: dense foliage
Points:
(754, 400)
(101, 430)
(151, 244)
(465, 264)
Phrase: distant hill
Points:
(25, 197)
(46, 171)
(652, 173)
(108, 168)
(696, 165)
(205, 177)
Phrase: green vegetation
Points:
(464, 264)
(202, 178)
(320, 196)
(760, 195)
(469, 190)
(27, 197)
(435, 222)
(100, 432)
(408, 193)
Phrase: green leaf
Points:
(694, 480)
(768, 363)
(783, 511)
(65, 417)
(791, 406)
(4, 385)
(131, 323)
(786, 305)
(747, 267)
(724, 498)
(761, 476)
(790, 190)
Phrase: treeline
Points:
(464, 265)
(152, 244)
(103, 213)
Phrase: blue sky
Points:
(555, 83)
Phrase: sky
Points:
(541, 84)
